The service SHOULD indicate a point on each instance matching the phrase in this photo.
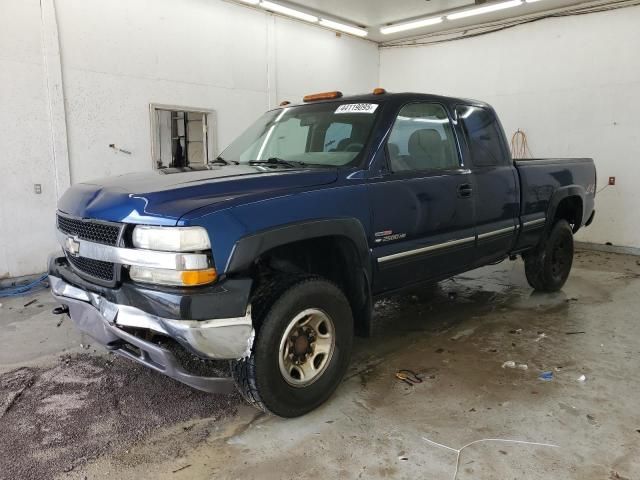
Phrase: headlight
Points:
(171, 239)
(184, 278)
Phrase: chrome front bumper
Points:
(225, 338)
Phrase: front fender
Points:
(248, 248)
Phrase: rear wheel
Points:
(548, 266)
(302, 347)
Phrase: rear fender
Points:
(558, 196)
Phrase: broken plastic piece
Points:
(546, 376)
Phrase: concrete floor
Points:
(91, 416)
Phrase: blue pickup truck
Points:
(261, 268)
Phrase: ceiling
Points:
(373, 14)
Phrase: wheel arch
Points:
(344, 240)
(567, 203)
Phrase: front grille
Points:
(90, 230)
(94, 268)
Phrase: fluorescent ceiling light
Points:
(361, 32)
(531, 1)
(401, 27)
(290, 12)
(250, 2)
(486, 9)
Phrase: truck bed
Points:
(545, 181)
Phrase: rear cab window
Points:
(483, 135)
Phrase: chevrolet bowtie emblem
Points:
(72, 246)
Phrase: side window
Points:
(337, 133)
(422, 139)
(484, 136)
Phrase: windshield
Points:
(324, 134)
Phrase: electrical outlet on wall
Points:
(612, 180)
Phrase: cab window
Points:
(337, 134)
(422, 139)
(484, 136)
(323, 134)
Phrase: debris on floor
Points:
(181, 468)
(546, 376)
(512, 364)
(409, 377)
(582, 378)
(497, 440)
(69, 402)
(616, 476)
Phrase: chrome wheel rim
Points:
(306, 347)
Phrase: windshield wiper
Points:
(278, 161)
(222, 161)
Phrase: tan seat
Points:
(426, 149)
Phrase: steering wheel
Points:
(354, 147)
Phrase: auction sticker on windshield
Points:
(357, 108)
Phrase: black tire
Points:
(259, 377)
(547, 267)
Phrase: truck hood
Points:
(161, 198)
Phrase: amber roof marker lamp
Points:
(321, 96)
(379, 91)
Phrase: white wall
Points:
(26, 233)
(572, 84)
(120, 56)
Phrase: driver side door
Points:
(423, 206)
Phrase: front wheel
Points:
(302, 347)
(547, 267)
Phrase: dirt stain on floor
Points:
(53, 420)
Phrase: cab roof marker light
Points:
(360, 32)
(321, 96)
(401, 27)
(290, 12)
(493, 7)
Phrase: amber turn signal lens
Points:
(199, 277)
(379, 91)
(322, 96)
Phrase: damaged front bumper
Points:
(113, 326)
